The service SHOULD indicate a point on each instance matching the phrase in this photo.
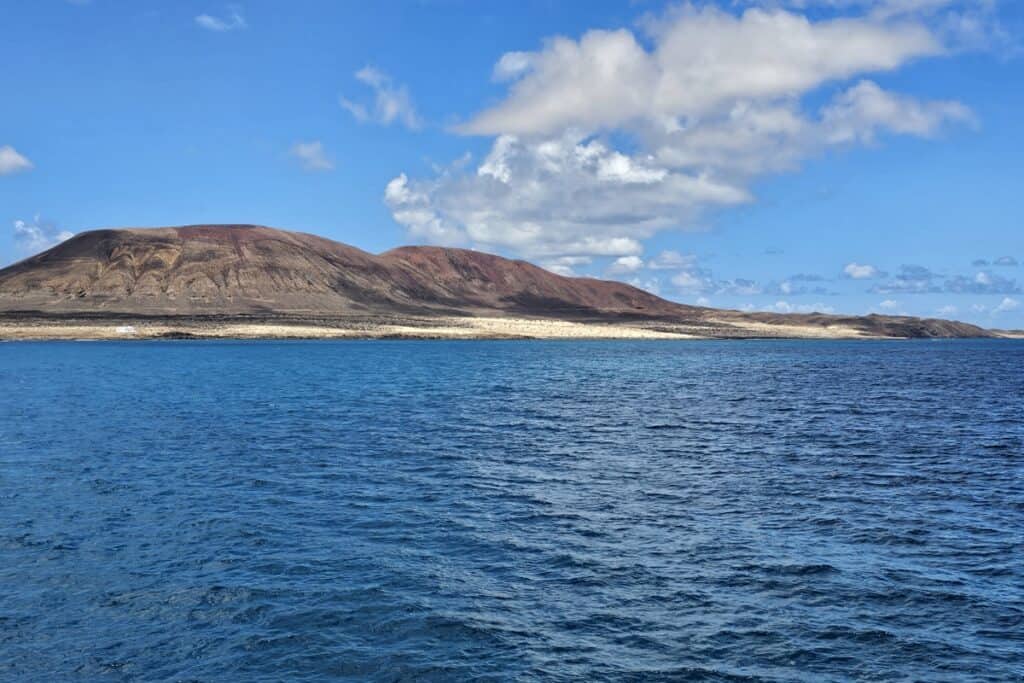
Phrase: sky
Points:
(848, 156)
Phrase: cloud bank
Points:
(601, 142)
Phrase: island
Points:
(257, 282)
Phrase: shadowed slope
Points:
(486, 281)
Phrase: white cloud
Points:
(689, 282)
(231, 21)
(626, 264)
(787, 307)
(703, 61)
(879, 8)
(946, 310)
(311, 156)
(565, 265)
(859, 113)
(38, 235)
(392, 101)
(671, 260)
(705, 106)
(982, 283)
(700, 281)
(1007, 304)
(561, 196)
(889, 305)
(739, 287)
(963, 24)
(703, 301)
(12, 162)
(911, 279)
(858, 271)
(650, 284)
(412, 208)
(793, 286)
(512, 65)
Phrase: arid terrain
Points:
(244, 281)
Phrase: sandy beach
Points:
(126, 328)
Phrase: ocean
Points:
(493, 511)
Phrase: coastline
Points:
(123, 327)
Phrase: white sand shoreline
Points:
(434, 328)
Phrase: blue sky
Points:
(836, 155)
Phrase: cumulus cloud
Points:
(671, 260)
(311, 156)
(704, 61)
(693, 279)
(392, 101)
(692, 282)
(560, 196)
(791, 287)
(626, 264)
(1001, 261)
(963, 24)
(603, 141)
(232, 20)
(651, 285)
(565, 265)
(911, 279)
(981, 282)
(12, 162)
(860, 271)
(738, 287)
(512, 65)
(38, 234)
(1007, 304)
(858, 115)
(787, 307)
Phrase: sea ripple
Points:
(491, 511)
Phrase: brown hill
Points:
(245, 270)
(242, 269)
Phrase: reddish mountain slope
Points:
(242, 269)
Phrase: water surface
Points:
(709, 511)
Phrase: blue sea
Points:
(527, 511)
